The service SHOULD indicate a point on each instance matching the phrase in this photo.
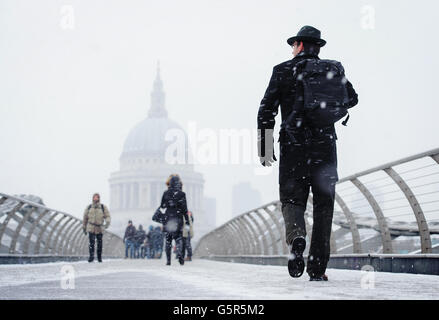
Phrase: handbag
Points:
(159, 216)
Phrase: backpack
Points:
(102, 207)
(325, 95)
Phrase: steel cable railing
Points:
(361, 203)
(30, 228)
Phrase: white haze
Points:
(68, 98)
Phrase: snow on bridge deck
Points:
(202, 279)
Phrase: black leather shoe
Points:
(320, 278)
(181, 260)
(168, 263)
(296, 264)
(90, 259)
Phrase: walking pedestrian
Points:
(158, 239)
(313, 94)
(138, 241)
(174, 201)
(150, 236)
(96, 219)
(128, 239)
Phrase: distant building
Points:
(136, 189)
(244, 198)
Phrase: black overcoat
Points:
(304, 151)
(174, 201)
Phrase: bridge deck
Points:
(202, 279)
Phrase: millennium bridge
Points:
(384, 245)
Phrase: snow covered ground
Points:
(202, 279)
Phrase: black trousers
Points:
(178, 237)
(92, 237)
(187, 246)
(310, 165)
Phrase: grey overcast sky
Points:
(68, 97)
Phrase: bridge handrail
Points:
(244, 236)
(36, 205)
(429, 153)
(64, 238)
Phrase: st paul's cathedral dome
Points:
(136, 189)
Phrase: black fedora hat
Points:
(309, 34)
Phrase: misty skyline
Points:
(69, 97)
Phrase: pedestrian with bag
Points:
(313, 95)
(174, 204)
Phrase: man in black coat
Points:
(308, 157)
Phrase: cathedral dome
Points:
(136, 189)
(148, 137)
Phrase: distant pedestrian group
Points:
(142, 245)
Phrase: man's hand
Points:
(187, 228)
(84, 230)
(266, 147)
(267, 161)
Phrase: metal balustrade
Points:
(362, 202)
(30, 228)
